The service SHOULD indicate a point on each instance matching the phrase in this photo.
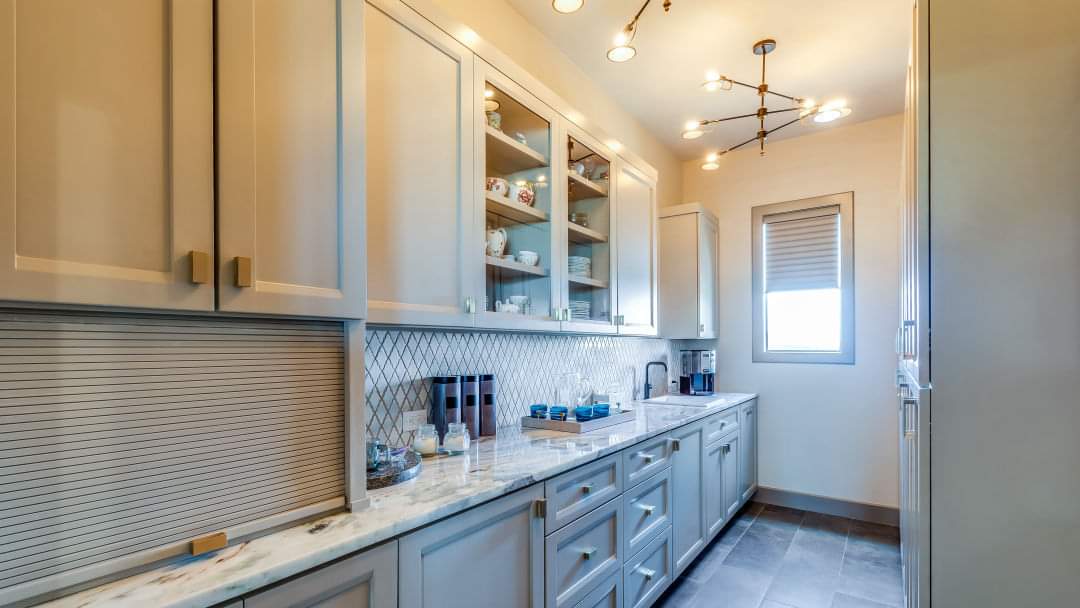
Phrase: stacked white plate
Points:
(579, 266)
(580, 309)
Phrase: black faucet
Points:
(648, 387)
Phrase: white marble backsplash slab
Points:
(493, 467)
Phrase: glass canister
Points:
(427, 440)
(457, 438)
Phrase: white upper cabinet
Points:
(290, 126)
(635, 242)
(423, 251)
(589, 285)
(106, 152)
(688, 279)
(519, 208)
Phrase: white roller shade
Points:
(802, 249)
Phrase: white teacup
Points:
(519, 301)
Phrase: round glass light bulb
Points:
(488, 93)
(825, 115)
(692, 133)
(619, 54)
(566, 6)
(710, 165)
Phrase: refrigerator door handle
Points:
(909, 420)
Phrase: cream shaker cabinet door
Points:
(708, 233)
(106, 152)
(423, 253)
(635, 226)
(365, 580)
(290, 128)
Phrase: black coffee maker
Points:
(698, 372)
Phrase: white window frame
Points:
(846, 355)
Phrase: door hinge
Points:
(540, 507)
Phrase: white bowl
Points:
(529, 258)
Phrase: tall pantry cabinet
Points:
(107, 185)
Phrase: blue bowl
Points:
(583, 413)
(557, 412)
(538, 410)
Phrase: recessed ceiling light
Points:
(622, 51)
(566, 6)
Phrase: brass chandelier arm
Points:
(737, 146)
(790, 122)
(753, 115)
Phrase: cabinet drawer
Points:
(582, 554)
(607, 595)
(644, 459)
(581, 490)
(720, 425)
(646, 511)
(648, 573)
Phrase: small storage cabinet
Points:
(635, 242)
(366, 580)
(492, 555)
(748, 467)
(688, 272)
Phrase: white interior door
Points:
(635, 225)
(422, 251)
(106, 152)
(291, 160)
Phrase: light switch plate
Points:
(410, 421)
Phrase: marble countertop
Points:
(493, 467)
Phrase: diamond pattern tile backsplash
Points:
(400, 362)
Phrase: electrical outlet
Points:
(410, 421)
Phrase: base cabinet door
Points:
(422, 250)
(367, 580)
(492, 555)
(688, 502)
(106, 153)
(290, 137)
(748, 415)
(714, 489)
(730, 475)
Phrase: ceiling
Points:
(851, 49)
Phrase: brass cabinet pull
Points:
(648, 509)
(540, 507)
(587, 488)
(648, 573)
(647, 457)
(210, 542)
(243, 271)
(200, 267)
(588, 553)
(675, 445)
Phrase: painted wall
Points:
(827, 430)
(499, 24)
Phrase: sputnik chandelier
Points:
(809, 112)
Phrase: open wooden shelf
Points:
(581, 188)
(587, 281)
(515, 267)
(502, 206)
(506, 155)
(580, 234)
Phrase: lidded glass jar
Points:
(426, 440)
(457, 438)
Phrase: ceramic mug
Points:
(496, 242)
(522, 192)
(529, 258)
(509, 307)
(497, 185)
(519, 301)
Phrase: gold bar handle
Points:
(200, 267)
(210, 542)
(243, 271)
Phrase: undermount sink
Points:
(685, 400)
(697, 400)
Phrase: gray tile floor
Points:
(774, 557)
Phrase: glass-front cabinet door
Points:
(590, 210)
(516, 153)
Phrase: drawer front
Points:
(581, 490)
(644, 459)
(716, 427)
(648, 573)
(582, 554)
(607, 595)
(646, 511)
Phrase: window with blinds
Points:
(803, 281)
(126, 436)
